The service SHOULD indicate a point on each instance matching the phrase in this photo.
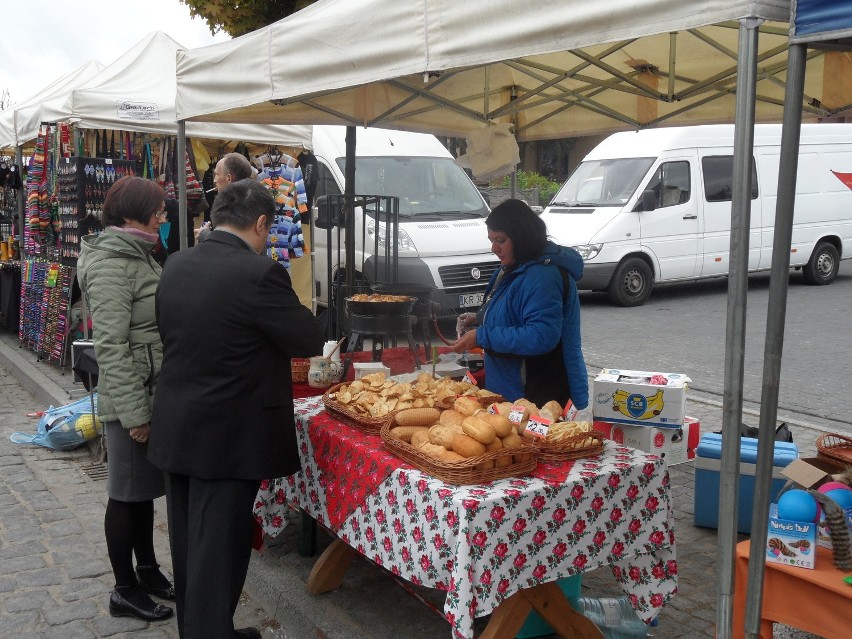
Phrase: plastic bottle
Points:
(615, 618)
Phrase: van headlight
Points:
(588, 251)
(404, 242)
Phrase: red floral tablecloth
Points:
(483, 543)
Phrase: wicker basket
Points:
(299, 370)
(448, 402)
(836, 447)
(341, 411)
(574, 447)
(463, 472)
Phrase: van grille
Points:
(459, 274)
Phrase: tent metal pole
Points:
(775, 319)
(180, 161)
(736, 320)
(22, 198)
(349, 192)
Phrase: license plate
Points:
(471, 299)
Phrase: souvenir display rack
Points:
(82, 184)
(45, 308)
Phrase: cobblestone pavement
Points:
(55, 578)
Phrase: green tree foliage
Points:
(238, 18)
(530, 180)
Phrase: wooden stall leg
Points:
(549, 601)
(308, 539)
(327, 573)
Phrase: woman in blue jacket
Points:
(529, 323)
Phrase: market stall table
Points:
(494, 548)
(817, 600)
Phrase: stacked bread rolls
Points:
(462, 433)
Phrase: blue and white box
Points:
(792, 543)
(641, 398)
(708, 463)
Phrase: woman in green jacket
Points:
(119, 277)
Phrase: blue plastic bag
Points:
(65, 427)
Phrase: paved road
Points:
(681, 328)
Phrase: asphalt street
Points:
(681, 328)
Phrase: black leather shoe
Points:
(155, 582)
(248, 633)
(121, 607)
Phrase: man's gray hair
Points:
(240, 204)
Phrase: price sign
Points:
(516, 415)
(538, 426)
(468, 376)
(570, 412)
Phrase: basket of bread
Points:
(463, 445)
(554, 435)
(368, 403)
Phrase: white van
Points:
(655, 206)
(442, 241)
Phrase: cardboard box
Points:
(629, 397)
(366, 368)
(675, 445)
(708, 463)
(811, 473)
(792, 543)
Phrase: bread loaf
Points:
(552, 410)
(417, 417)
(497, 444)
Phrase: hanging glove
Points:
(464, 323)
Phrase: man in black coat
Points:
(223, 410)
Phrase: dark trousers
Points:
(211, 524)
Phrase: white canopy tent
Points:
(553, 68)
(556, 68)
(20, 123)
(137, 93)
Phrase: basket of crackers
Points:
(463, 445)
(554, 437)
(369, 402)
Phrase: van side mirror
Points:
(325, 217)
(648, 200)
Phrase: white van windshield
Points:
(433, 188)
(602, 182)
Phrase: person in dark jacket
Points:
(223, 414)
(119, 277)
(529, 324)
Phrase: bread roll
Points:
(466, 405)
(442, 435)
(501, 424)
(420, 437)
(497, 444)
(480, 430)
(467, 446)
(451, 418)
(406, 432)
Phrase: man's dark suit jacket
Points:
(230, 322)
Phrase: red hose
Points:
(438, 331)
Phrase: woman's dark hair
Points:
(240, 204)
(132, 198)
(527, 230)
